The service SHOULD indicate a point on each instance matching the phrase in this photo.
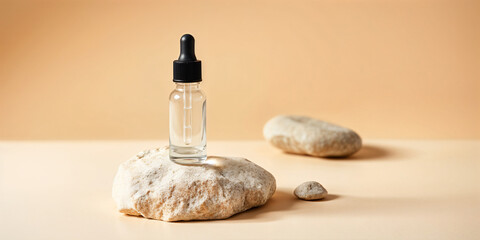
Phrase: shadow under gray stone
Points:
(367, 152)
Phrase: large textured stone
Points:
(304, 135)
(152, 186)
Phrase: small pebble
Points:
(310, 191)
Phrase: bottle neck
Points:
(192, 86)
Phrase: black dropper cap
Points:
(187, 68)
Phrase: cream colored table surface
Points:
(391, 189)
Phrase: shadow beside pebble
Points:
(281, 201)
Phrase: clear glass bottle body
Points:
(188, 139)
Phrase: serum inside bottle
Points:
(188, 141)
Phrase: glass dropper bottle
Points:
(188, 140)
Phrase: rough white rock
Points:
(304, 135)
(310, 191)
(152, 186)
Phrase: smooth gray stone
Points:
(304, 135)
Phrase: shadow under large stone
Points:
(280, 201)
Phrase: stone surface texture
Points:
(304, 135)
(152, 186)
(310, 191)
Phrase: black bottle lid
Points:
(187, 68)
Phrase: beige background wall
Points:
(103, 69)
